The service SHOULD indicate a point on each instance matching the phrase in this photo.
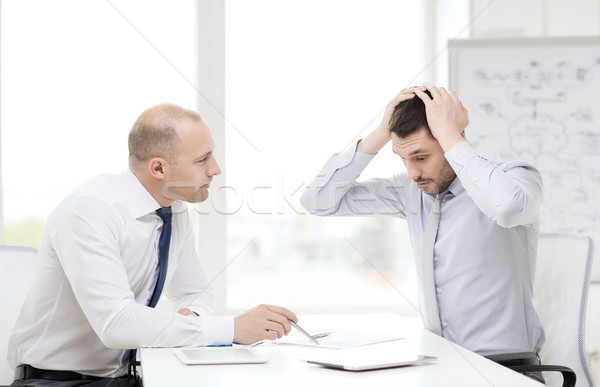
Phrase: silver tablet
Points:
(219, 355)
(364, 363)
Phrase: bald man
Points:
(98, 269)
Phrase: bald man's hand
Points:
(264, 322)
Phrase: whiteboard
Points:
(538, 100)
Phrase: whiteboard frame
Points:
(456, 47)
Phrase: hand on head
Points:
(382, 135)
(404, 95)
(264, 322)
(446, 115)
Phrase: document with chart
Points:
(338, 339)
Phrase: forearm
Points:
(324, 194)
(140, 326)
(375, 141)
(335, 191)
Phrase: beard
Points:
(437, 185)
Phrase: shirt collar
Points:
(139, 199)
(455, 188)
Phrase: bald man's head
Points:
(154, 134)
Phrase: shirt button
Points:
(435, 259)
(438, 290)
(445, 324)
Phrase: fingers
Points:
(405, 94)
(424, 97)
(283, 311)
(264, 322)
(411, 90)
(454, 98)
(279, 318)
(446, 116)
(440, 94)
(273, 327)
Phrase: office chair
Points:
(16, 272)
(562, 278)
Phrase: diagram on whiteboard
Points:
(540, 105)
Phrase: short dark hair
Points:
(409, 117)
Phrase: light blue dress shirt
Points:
(485, 251)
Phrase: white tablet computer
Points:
(219, 355)
(364, 363)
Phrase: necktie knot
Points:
(165, 214)
(437, 204)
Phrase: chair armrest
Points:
(568, 374)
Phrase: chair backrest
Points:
(564, 264)
(16, 272)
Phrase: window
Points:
(75, 75)
(304, 80)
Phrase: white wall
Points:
(546, 18)
(441, 22)
(534, 18)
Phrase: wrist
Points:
(187, 312)
(448, 143)
(383, 131)
(376, 140)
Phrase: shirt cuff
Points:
(356, 161)
(349, 163)
(460, 154)
(218, 330)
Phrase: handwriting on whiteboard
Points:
(541, 106)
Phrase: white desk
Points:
(455, 366)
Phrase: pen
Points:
(305, 333)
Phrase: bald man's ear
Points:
(157, 167)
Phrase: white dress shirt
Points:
(484, 254)
(94, 276)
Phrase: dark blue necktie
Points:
(163, 260)
(163, 253)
